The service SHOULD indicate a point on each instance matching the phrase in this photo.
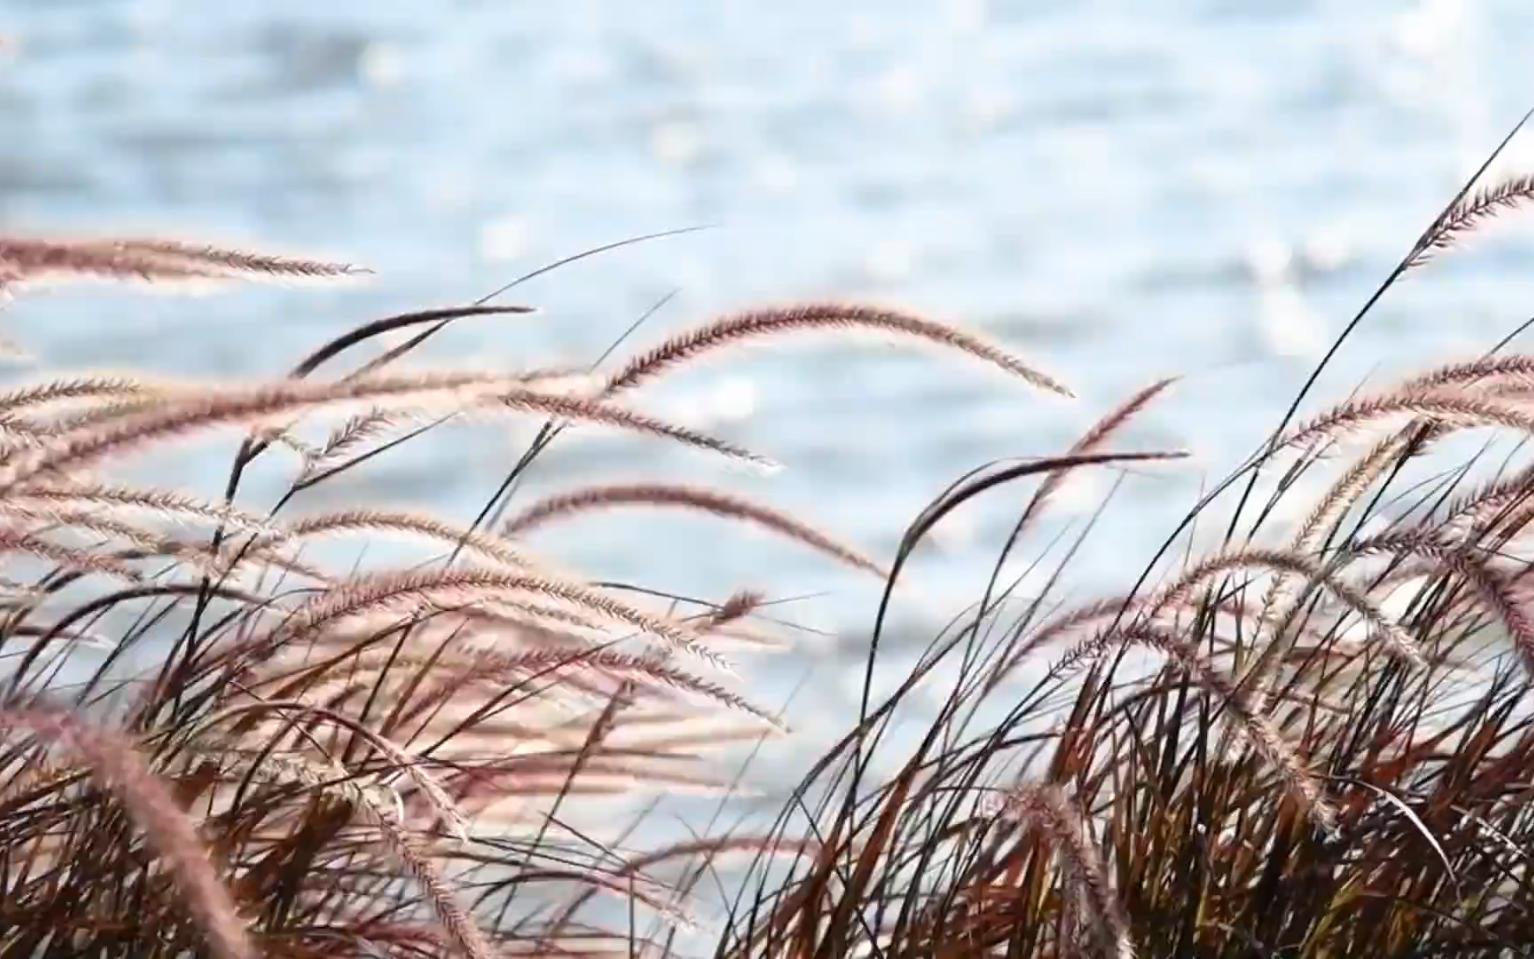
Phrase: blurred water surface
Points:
(1118, 190)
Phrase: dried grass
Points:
(269, 755)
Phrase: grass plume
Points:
(594, 498)
(736, 328)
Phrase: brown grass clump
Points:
(116, 765)
(1308, 741)
(1218, 761)
(219, 742)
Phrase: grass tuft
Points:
(215, 739)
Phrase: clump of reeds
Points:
(349, 761)
(1315, 741)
